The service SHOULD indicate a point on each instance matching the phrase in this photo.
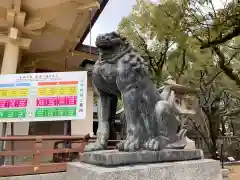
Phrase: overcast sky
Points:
(109, 19)
(113, 13)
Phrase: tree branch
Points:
(226, 69)
(145, 48)
(183, 65)
(234, 33)
(212, 79)
(163, 56)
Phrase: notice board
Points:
(43, 96)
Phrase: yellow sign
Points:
(57, 91)
(22, 92)
(46, 91)
(68, 91)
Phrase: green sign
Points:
(13, 113)
(53, 112)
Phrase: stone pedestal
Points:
(167, 164)
(203, 169)
(118, 158)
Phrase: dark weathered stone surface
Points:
(116, 158)
(151, 120)
(203, 169)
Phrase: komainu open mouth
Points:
(104, 44)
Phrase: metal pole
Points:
(221, 156)
(12, 143)
(90, 28)
(67, 124)
(4, 129)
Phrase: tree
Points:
(153, 45)
(216, 108)
(198, 45)
(187, 25)
(217, 30)
(158, 34)
(188, 22)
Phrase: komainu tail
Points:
(180, 141)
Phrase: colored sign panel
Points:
(43, 96)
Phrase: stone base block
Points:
(203, 169)
(116, 158)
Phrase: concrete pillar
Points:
(9, 66)
(10, 58)
(83, 127)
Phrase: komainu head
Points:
(110, 42)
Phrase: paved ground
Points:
(234, 172)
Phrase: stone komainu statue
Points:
(151, 121)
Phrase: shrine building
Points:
(47, 36)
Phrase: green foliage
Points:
(159, 34)
(173, 36)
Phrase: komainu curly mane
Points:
(151, 121)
